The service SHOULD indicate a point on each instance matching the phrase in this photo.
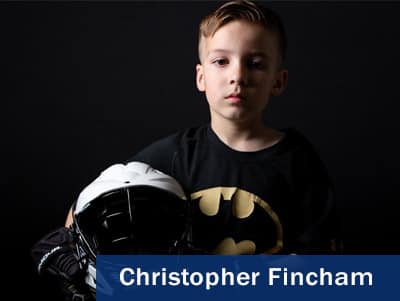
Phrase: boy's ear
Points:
(200, 78)
(280, 82)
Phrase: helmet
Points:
(128, 209)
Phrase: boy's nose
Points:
(239, 74)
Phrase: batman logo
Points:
(232, 221)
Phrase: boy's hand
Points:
(54, 257)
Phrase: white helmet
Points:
(128, 209)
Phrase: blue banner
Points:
(210, 277)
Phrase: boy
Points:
(253, 189)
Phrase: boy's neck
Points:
(245, 137)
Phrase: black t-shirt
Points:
(276, 200)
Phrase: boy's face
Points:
(240, 70)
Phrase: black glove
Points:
(54, 256)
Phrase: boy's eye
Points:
(220, 62)
(256, 64)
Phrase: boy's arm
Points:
(316, 215)
(69, 220)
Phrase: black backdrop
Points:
(87, 84)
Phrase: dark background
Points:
(87, 84)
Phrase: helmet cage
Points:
(130, 220)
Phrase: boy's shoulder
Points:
(173, 141)
(296, 141)
(293, 141)
(295, 136)
(297, 153)
(304, 155)
(161, 153)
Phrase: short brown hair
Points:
(248, 11)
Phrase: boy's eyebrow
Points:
(219, 50)
(252, 53)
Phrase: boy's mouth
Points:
(234, 97)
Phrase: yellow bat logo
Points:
(232, 221)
